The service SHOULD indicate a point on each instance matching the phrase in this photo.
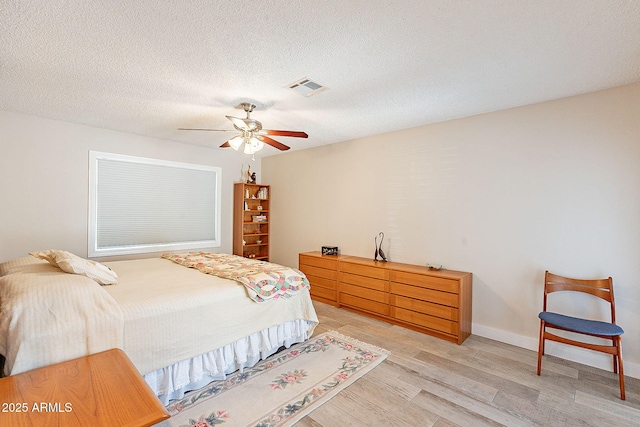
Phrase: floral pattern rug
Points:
(280, 390)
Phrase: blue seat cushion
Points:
(584, 326)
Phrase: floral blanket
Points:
(264, 280)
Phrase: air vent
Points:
(306, 87)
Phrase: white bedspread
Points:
(173, 313)
(56, 317)
(159, 313)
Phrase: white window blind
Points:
(140, 205)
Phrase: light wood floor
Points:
(430, 382)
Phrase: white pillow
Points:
(45, 255)
(71, 263)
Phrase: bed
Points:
(181, 328)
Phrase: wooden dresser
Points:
(436, 302)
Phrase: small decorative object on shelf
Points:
(263, 193)
(379, 248)
(329, 250)
(259, 207)
(259, 218)
(434, 266)
(251, 176)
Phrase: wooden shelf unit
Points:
(435, 302)
(251, 238)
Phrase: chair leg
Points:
(620, 367)
(540, 346)
(614, 342)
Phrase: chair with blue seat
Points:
(601, 288)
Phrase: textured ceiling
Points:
(149, 67)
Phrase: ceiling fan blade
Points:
(272, 142)
(291, 133)
(240, 124)
(225, 145)
(208, 130)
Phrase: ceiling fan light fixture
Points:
(236, 142)
(256, 143)
(248, 149)
(253, 145)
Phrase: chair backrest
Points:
(601, 288)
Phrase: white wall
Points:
(504, 195)
(44, 168)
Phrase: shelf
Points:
(245, 230)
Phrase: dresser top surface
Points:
(392, 266)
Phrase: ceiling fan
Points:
(251, 133)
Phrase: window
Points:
(139, 205)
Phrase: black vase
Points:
(375, 244)
(379, 248)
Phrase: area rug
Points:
(282, 389)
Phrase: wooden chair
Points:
(601, 288)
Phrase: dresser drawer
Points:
(323, 293)
(437, 310)
(321, 282)
(431, 282)
(310, 270)
(426, 321)
(363, 281)
(378, 296)
(365, 270)
(318, 261)
(423, 294)
(364, 304)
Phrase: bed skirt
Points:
(174, 381)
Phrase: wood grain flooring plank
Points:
(384, 396)
(425, 373)
(366, 411)
(515, 371)
(308, 421)
(385, 378)
(331, 414)
(521, 355)
(479, 375)
(451, 411)
(443, 422)
(619, 409)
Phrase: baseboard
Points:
(576, 354)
